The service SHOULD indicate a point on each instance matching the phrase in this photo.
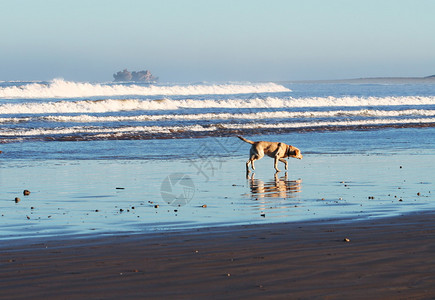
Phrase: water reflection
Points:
(279, 187)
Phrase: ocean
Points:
(73, 111)
(131, 157)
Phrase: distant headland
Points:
(140, 76)
(375, 80)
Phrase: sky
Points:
(216, 40)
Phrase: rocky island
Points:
(140, 76)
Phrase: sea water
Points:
(129, 157)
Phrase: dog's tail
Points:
(245, 140)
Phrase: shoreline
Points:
(222, 132)
(126, 195)
(385, 258)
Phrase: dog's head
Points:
(294, 152)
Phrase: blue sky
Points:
(185, 41)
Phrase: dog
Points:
(276, 150)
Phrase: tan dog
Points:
(278, 151)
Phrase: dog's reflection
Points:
(280, 187)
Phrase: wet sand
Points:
(92, 197)
(390, 258)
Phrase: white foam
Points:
(195, 128)
(60, 88)
(99, 130)
(228, 116)
(14, 120)
(115, 105)
(331, 123)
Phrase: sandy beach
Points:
(320, 231)
(390, 258)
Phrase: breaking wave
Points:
(116, 105)
(227, 116)
(59, 88)
(72, 111)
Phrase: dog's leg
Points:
(247, 165)
(276, 164)
(252, 154)
(251, 162)
(253, 158)
(285, 162)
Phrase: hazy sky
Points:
(184, 41)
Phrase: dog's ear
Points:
(294, 152)
(298, 153)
